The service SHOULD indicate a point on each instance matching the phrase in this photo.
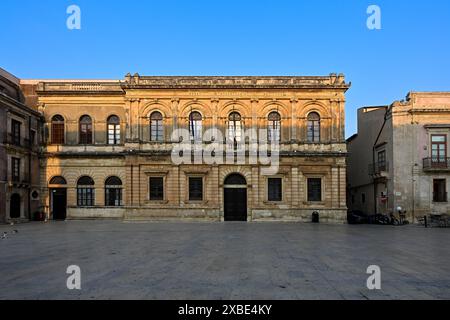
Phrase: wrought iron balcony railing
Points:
(436, 164)
(378, 168)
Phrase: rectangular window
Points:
(363, 197)
(15, 132)
(113, 197)
(439, 190)
(274, 187)
(85, 197)
(15, 169)
(382, 160)
(157, 188)
(195, 189)
(439, 149)
(314, 189)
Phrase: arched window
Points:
(58, 180)
(235, 127)
(156, 126)
(57, 136)
(85, 192)
(313, 127)
(195, 126)
(274, 127)
(85, 130)
(113, 130)
(113, 192)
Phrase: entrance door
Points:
(59, 203)
(235, 198)
(14, 206)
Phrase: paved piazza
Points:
(223, 261)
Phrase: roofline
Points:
(374, 107)
(353, 137)
(9, 76)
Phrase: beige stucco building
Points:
(108, 151)
(399, 157)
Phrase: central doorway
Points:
(235, 198)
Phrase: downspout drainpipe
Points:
(375, 191)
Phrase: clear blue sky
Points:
(235, 37)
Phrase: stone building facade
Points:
(399, 157)
(109, 148)
(20, 140)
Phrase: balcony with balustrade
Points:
(441, 164)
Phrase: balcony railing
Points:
(436, 164)
(378, 168)
(11, 139)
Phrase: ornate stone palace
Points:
(108, 148)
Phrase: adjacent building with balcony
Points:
(20, 139)
(399, 157)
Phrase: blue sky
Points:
(298, 37)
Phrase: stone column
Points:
(214, 108)
(295, 187)
(293, 122)
(335, 184)
(175, 104)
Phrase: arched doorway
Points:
(58, 198)
(235, 198)
(14, 206)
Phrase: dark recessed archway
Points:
(235, 198)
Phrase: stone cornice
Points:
(238, 82)
(136, 82)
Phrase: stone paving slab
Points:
(223, 261)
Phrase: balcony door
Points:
(439, 150)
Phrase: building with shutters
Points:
(399, 157)
(109, 148)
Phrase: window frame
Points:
(195, 127)
(313, 128)
(274, 126)
(189, 192)
(321, 193)
(85, 193)
(381, 164)
(118, 192)
(163, 179)
(437, 195)
(441, 159)
(279, 197)
(158, 124)
(86, 137)
(58, 130)
(16, 134)
(15, 169)
(116, 131)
